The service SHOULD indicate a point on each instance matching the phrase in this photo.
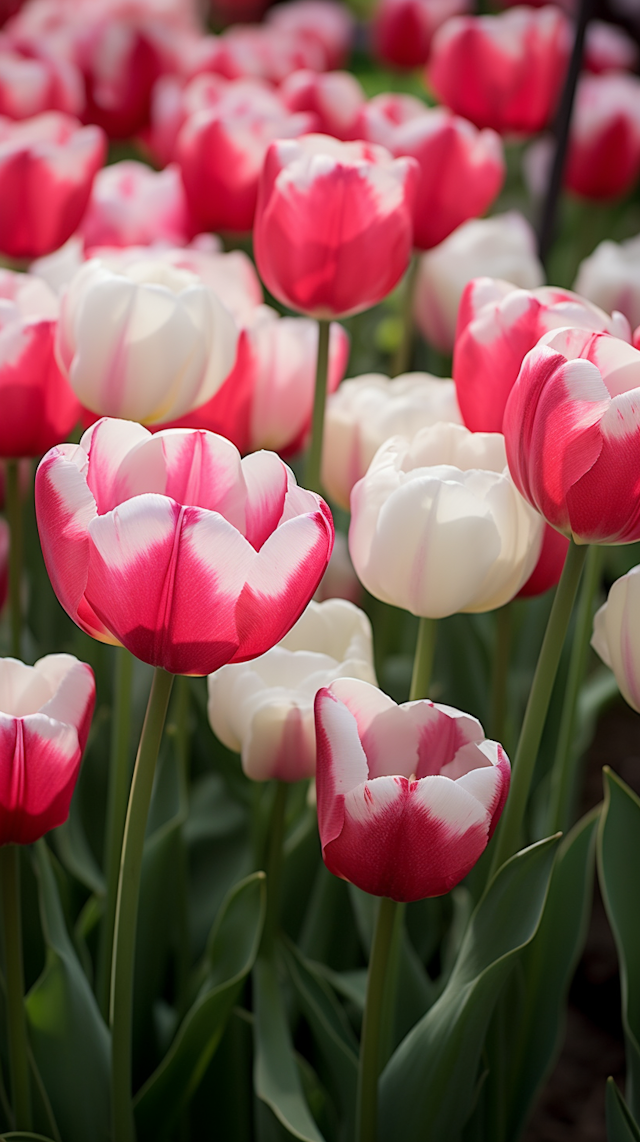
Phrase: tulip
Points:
(221, 152)
(408, 796)
(402, 30)
(265, 53)
(571, 431)
(334, 98)
(608, 48)
(172, 102)
(333, 230)
(45, 715)
(47, 166)
(33, 81)
(614, 635)
(610, 277)
(237, 11)
(497, 326)
(365, 411)
(148, 342)
(438, 527)
(264, 709)
(382, 116)
(503, 71)
(39, 408)
(174, 547)
(4, 562)
(323, 23)
(603, 159)
(503, 247)
(133, 205)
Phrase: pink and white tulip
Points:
(438, 526)
(324, 23)
(610, 277)
(175, 547)
(572, 427)
(408, 796)
(333, 232)
(34, 80)
(266, 53)
(263, 709)
(615, 637)
(402, 30)
(365, 411)
(133, 205)
(45, 715)
(609, 48)
(334, 98)
(603, 159)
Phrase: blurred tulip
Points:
(39, 408)
(237, 11)
(615, 639)
(264, 709)
(366, 411)
(148, 342)
(339, 580)
(33, 81)
(333, 230)
(45, 715)
(47, 166)
(610, 277)
(172, 102)
(221, 152)
(334, 98)
(173, 546)
(133, 205)
(497, 326)
(325, 23)
(503, 247)
(265, 52)
(438, 527)
(382, 116)
(609, 48)
(4, 562)
(408, 796)
(603, 159)
(503, 71)
(402, 30)
(571, 431)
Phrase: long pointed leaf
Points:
(621, 1127)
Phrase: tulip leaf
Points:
(276, 1075)
(69, 1039)
(621, 1126)
(618, 861)
(25, 1136)
(430, 1081)
(231, 954)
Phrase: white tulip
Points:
(610, 277)
(615, 638)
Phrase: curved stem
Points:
(14, 519)
(423, 660)
(117, 797)
(367, 1105)
(273, 865)
(500, 674)
(508, 834)
(563, 773)
(314, 455)
(404, 354)
(124, 939)
(16, 1018)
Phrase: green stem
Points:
(423, 659)
(182, 712)
(404, 354)
(314, 455)
(14, 519)
(500, 675)
(117, 797)
(124, 938)
(367, 1104)
(273, 862)
(563, 773)
(16, 1019)
(508, 835)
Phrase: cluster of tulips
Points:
(319, 939)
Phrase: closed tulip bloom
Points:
(133, 205)
(608, 48)
(438, 527)
(45, 715)
(149, 343)
(263, 709)
(174, 547)
(408, 796)
(610, 277)
(365, 411)
(33, 81)
(4, 562)
(47, 166)
(333, 232)
(334, 98)
(39, 408)
(615, 638)
(503, 246)
(603, 159)
(503, 71)
(264, 52)
(402, 30)
(497, 326)
(323, 23)
(571, 431)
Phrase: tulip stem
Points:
(314, 455)
(14, 971)
(500, 675)
(117, 797)
(563, 772)
(124, 938)
(423, 659)
(367, 1101)
(14, 519)
(273, 864)
(508, 835)
(404, 354)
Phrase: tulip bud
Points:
(133, 205)
(34, 80)
(608, 48)
(603, 159)
(326, 24)
(402, 30)
(610, 277)
(334, 98)
(614, 635)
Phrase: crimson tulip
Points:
(603, 159)
(402, 30)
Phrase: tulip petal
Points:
(107, 444)
(266, 479)
(40, 760)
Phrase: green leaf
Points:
(430, 1080)
(276, 1077)
(69, 1039)
(231, 954)
(16, 1135)
(618, 862)
(621, 1126)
